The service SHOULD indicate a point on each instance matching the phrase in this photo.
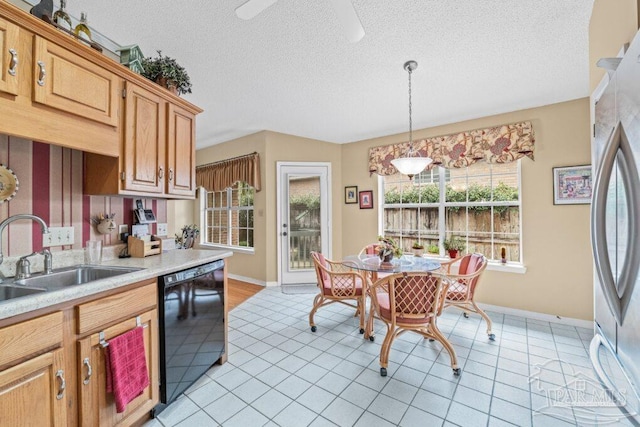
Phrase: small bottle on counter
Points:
(503, 255)
(83, 27)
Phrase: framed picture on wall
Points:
(572, 185)
(351, 194)
(366, 199)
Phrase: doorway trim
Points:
(279, 213)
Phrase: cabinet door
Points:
(33, 392)
(97, 407)
(181, 151)
(67, 82)
(9, 57)
(144, 141)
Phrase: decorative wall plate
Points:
(8, 184)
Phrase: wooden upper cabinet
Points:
(67, 82)
(9, 57)
(144, 141)
(181, 151)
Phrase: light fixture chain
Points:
(410, 121)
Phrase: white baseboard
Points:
(247, 279)
(538, 316)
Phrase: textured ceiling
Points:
(291, 69)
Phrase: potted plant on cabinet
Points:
(433, 249)
(167, 73)
(453, 246)
(418, 249)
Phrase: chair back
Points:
(321, 266)
(472, 265)
(413, 297)
(371, 249)
(336, 279)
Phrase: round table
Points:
(406, 263)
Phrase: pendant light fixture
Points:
(412, 164)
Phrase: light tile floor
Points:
(279, 373)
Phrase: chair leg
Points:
(369, 333)
(447, 345)
(486, 318)
(317, 302)
(361, 305)
(384, 351)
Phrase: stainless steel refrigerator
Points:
(615, 233)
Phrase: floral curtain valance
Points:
(500, 144)
(224, 174)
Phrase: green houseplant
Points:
(453, 246)
(387, 248)
(167, 72)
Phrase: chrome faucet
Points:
(23, 266)
(17, 217)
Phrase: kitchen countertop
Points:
(153, 266)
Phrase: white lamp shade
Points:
(411, 165)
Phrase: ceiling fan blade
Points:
(251, 8)
(349, 19)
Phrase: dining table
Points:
(373, 267)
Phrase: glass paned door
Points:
(304, 219)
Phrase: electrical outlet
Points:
(161, 229)
(58, 236)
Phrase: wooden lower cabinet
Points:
(96, 406)
(33, 388)
(52, 367)
(33, 392)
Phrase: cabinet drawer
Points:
(108, 310)
(26, 338)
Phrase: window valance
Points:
(500, 144)
(224, 174)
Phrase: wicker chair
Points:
(463, 286)
(337, 283)
(409, 302)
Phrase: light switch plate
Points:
(58, 236)
(161, 229)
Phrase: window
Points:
(480, 204)
(229, 216)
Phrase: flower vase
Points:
(453, 253)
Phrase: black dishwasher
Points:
(191, 324)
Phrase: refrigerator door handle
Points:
(618, 295)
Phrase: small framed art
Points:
(351, 194)
(366, 199)
(572, 185)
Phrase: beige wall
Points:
(613, 23)
(275, 147)
(556, 240)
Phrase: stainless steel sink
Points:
(76, 275)
(11, 291)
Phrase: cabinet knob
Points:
(86, 363)
(161, 173)
(42, 74)
(13, 64)
(170, 174)
(63, 384)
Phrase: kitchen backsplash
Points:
(50, 186)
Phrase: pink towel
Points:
(127, 375)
